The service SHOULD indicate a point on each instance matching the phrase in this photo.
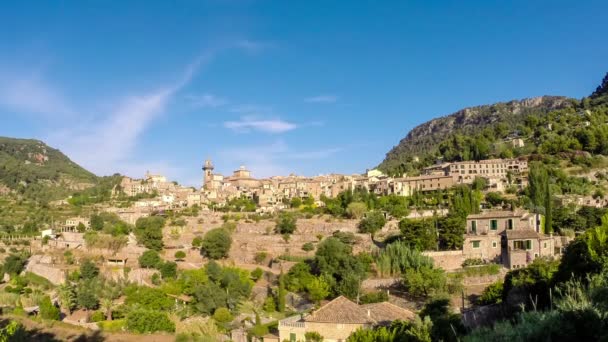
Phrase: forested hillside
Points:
(548, 125)
(35, 170)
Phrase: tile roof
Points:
(340, 310)
(385, 312)
(521, 234)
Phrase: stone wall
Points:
(379, 283)
(53, 274)
(448, 260)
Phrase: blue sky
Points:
(283, 87)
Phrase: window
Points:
(528, 244)
(476, 243)
(544, 245)
(494, 244)
(510, 224)
(518, 244)
(474, 227)
(493, 224)
(292, 337)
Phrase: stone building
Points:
(511, 238)
(338, 319)
(465, 172)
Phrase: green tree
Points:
(81, 227)
(67, 297)
(491, 294)
(144, 321)
(548, 210)
(149, 259)
(296, 202)
(356, 210)
(451, 231)
(149, 232)
(372, 223)
(419, 233)
(88, 270)
(318, 289)
(96, 222)
(282, 292)
(313, 336)
(425, 281)
(168, 270)
(48, 310)
(286, 223)
(216, 243)
(13, 264)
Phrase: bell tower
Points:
(208, 174)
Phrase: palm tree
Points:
(67, 297)
(107, 305)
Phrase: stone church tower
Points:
(208, 174)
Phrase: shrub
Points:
(472, 262)
(97, 316)
(491, 294)
(168, 270)
(307, 247)
(286, 223)
(257, 274)
(270, 305)
(48, 310)
(149, 259)
(260, 257)
(216, 243)
(222, 315)
(116, 325)
(88, 270)
(374, 297)
(197, 241)
(13, 264)
(180, 255)
(143, 321)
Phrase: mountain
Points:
(32, 168)
(424, 140)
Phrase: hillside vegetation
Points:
(35, 170)
(549, 125)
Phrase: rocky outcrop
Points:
(427, 136)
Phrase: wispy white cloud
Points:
(322, 99)
(253, 46)
(248, 124)
(29, 93)
(105, 144)
(205, 100)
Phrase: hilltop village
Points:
(496, 232)
(153, 232)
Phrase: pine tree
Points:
(281, 294)
(548, 209)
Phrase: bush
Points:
(472, 262)
(13, 264)
(149, 259)
(477, 271)
(88, 270)
(180, 255)
(307, 247)
(222, 315)
(374, 297)
(197, 242)
(216, 243)
(143, 321)
(48, 310)
(286, 223)
(491, 294)
(270, 305)
(116, 325)
(257, 274)
(168, 270)
(97, 316)
(260, 257)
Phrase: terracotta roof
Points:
(340, 310)
(386, 312)
(521, 234)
